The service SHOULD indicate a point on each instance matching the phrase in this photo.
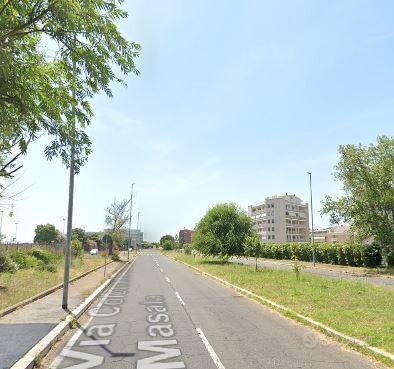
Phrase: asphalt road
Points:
(162, 315)
(369, 278)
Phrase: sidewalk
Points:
(23, 328)
(327, 270)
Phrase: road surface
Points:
(369, 278)
(160, 314)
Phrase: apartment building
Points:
(186, 236)
(281, 219)
(336, 234)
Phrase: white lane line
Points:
(210, 349)
(168, 280)
(161, 270)
(179, 298)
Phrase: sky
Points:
(236, 101)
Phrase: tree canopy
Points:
(167, 237)
(222, 231)
(40, 41)
(80, 235)
(46, 233)
(367, 174)
(253, 246)
(117, 215)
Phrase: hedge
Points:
(330, 253)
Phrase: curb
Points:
(314, 323)
(44, 345)
(45, 293)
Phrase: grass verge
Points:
(357, 309)
(25, 283)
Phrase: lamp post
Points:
(313, 231)
(131, 208)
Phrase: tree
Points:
(80, 235)
(168, 245)
(46, 233)
(118, 237)
(367, 174)
(36, 80)
(253, 246)
(222, 231)
(117, 215)
(167, 237)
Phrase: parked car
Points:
(94, 252)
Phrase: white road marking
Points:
(161, 270)
(168, 280)
(77, 334)
(210, 349)
(179, 298)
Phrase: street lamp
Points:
(131, 207)
(313, 232)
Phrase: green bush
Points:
(388, 254)
(115, 256)
(7, 264)
(49, 267)
(23, 259)
(168, 245)
(77, 248)
(371, 255)
(45, 256)
(187, 248)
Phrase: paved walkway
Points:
(326, 270)
(22, 329)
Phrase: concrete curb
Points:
(44, 345)
(45, 293)
(324, 328)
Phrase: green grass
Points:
(357, 309)
(25, 283)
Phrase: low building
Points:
(186, 236)
(281, 219)
(136, 237)
(336, 234)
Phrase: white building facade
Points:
(281, 219)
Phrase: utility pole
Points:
(131, 207)
(1, 223)
(138, 233)
(67, 260)
(16, 230)
(313, 231)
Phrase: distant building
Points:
(136, 236)
(337, 234)
(186, 236)
(281, 219)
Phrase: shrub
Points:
(388, 253)
(45, 256)
(50, 267)
(371, 255)
(168, 245)
(77, 249)
(115, 256)
(23, 259)
(187, 248)
(7, 264)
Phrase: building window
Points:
(273, 236)
(273, 221)
(269, 237)
(273, 229)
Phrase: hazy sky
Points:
(236, 101)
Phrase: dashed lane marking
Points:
(210, 349)
(179, 298)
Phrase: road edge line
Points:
(45, 344)
(47, 292)
(310, 321)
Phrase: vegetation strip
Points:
(310, 321)
(46, 292)
(44, 345)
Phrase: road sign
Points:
(107, 239)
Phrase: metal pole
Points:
(16, 230)
(67, 260)
(138, 223)
(1, 224)
(313, 231)
(131, 207)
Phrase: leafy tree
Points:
(80, 235)
(367, 174)
(77, 248)
(168, 245)
(118, 238)
(253, 247)
(46, 233)
(37, 80)
(117, 215)
(167, 237)
(222, 231)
